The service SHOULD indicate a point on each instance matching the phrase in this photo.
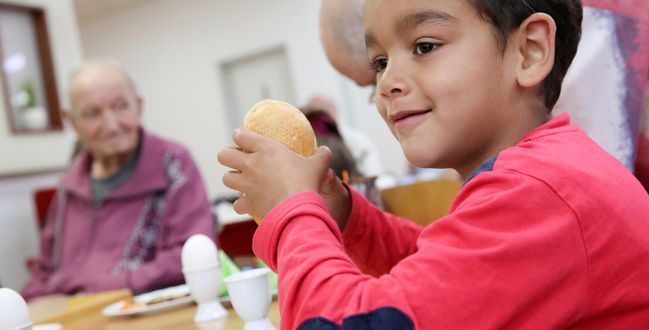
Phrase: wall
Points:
(18, 228)
(18, 237)
(173, 48)
(53, 148)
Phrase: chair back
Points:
(235, 239)
(423, 202)
(42, 200)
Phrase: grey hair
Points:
(350, 31)
(98, 64)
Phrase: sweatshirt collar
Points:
(560, 123)
(149, 174)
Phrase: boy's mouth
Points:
(403, 114)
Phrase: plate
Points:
(172, 298)
(48, 326)
(181, 292)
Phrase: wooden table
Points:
(179, 319)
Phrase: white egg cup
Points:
(204, 287)
(250, 296)
(202, 273)
(14, 313)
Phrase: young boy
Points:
(549, 231)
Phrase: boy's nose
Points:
(393, 83)
(395, 89)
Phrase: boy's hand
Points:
(265, 172)
(339, 201)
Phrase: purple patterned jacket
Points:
(603, 90)
(133, 239)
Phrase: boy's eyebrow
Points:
(369, 40)
(411, 21)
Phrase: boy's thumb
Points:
(323, 154)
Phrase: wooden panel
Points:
(423, 202)
(60, 309)
(178, 319)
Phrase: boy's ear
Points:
(536, 45)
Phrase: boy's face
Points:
(444, 87)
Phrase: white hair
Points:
(98, 64)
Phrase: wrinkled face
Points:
(106, 113)
(442, 80)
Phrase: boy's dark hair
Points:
(507, 15)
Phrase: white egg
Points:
(14, 313)
(199, 252)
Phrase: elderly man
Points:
(128, 202)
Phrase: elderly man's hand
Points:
(266, 172)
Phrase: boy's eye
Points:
(379, 64)
(425, 47)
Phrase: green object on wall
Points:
(28, 88)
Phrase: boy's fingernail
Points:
(236, 132)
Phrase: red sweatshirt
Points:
(552, 233)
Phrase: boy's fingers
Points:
(248, 140)
(240, 206)
(323, 154)
(233, 180)
(231, 157)
(329, 182)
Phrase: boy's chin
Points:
(417, 160)
(424, 155)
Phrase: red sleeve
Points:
(375, 240)
(498, 259)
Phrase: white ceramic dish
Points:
(180, 291)
(48, 326)
(115, 309)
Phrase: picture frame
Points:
(30, 95)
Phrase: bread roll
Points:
(284, 123)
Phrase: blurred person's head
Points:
(105, 111)
(323, 103)
(327, 134)
(343, 38)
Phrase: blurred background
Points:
(199, 65)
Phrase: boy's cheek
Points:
(380, 105)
